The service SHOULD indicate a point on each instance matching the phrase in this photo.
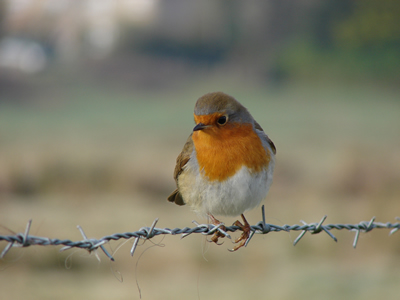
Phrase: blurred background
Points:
(96, 102)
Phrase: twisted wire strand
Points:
(26, 240)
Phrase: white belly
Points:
(243, 191)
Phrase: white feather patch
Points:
(237, 194)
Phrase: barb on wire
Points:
(26, 240)
(148, 236)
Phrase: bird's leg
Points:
(217, 234)
(245, 234)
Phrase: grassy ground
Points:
(102, 157)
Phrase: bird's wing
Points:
(181, 161)
(265, 136)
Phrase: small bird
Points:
(226, 165)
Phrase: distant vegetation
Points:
(273, 41)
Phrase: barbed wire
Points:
(26, 240)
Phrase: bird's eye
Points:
(222, 120)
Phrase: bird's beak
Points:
(200, 126)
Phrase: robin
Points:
(226, 165)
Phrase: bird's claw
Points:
(244, 237)
(241, 241)
(218, 235)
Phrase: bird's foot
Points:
(244, 237)
(217, 234)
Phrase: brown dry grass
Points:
(107, 165)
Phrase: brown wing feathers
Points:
(181, 161)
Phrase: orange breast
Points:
(221, 152)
